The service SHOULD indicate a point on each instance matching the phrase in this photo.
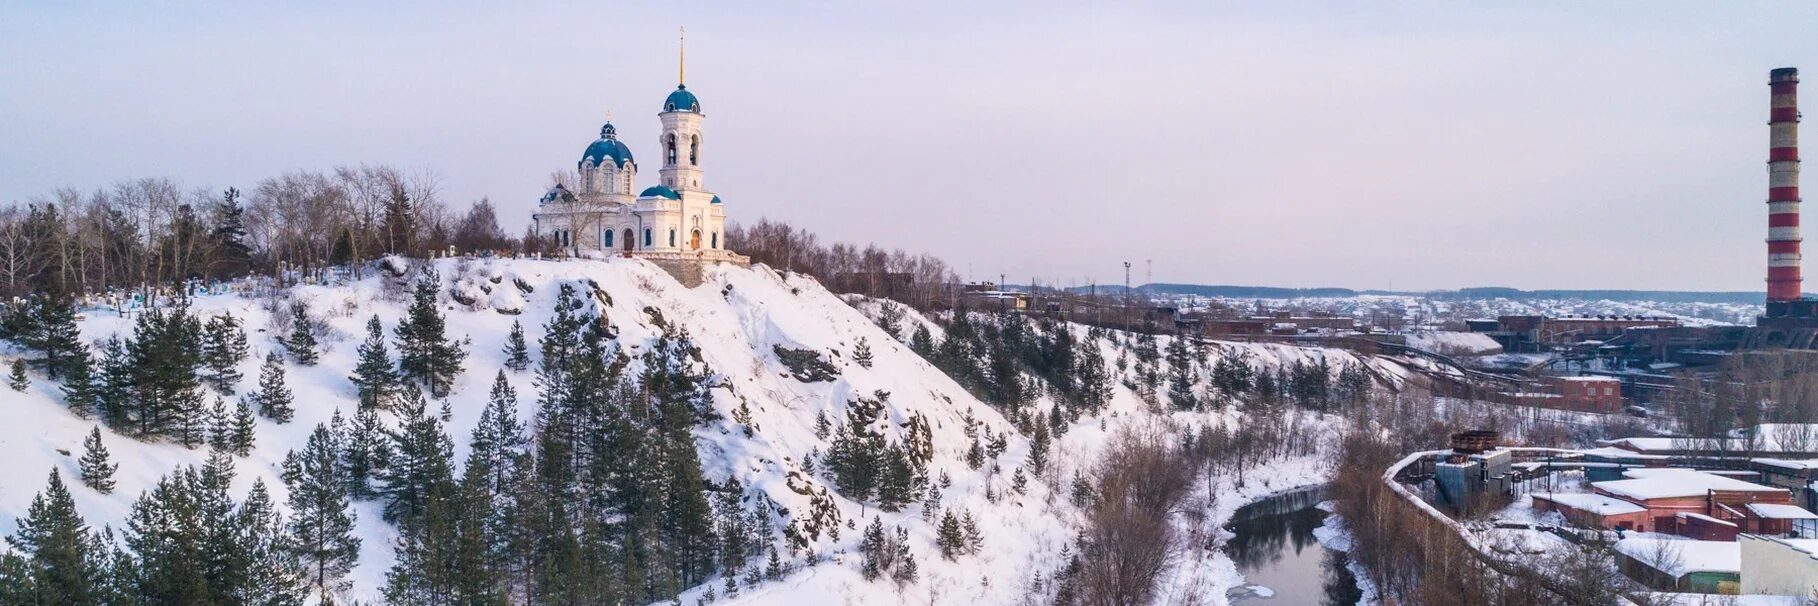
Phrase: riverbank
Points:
(1205, 573)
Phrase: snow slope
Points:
(736, 318)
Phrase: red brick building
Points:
(1589, 394)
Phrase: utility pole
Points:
(1126, 314)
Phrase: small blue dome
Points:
(608, 146)
(557, 193)
(660, 191)
(682, 101)
(716, 199)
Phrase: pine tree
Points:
(425, 353)
(114, 385)
(319, 533)
(56, 546)
(1019, 481)
(302, 340)
(367, 452)
(269, 571)
(169, 533)
(80, 393)
(862, 353)
(517, 354)
(97, 471)
(50, 330)
(421, 465)
(874, 551)
(232, 256)
(223, 348)
(949, 537)
(160, 373)
(274, 398)
(241, 430)
(922, 342)
(220, 426)
(374, 376)
(975, 540)
(17, 380)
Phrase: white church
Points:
(677, 224)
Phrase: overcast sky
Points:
(1368, 145)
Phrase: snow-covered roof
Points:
(1593, 503)
(1611, 452)
(1585, 379)
(1676, 444)
(1678, 557)
(1705, 599)
(1668, 483)
(1777, 511)
(1705, 518)
(1790, 463)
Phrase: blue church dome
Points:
(682, 101)
(716, 199)
(660, 190)
(608, 146)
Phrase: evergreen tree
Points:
(302, 340)
(97, 471)
(220, 426)
(367, 452)
(114, 385)
(241, 430)
(862, 353)
(223, 348)
(168, 532)
(517, 354)
(874, 551)
(319, 533)
(421, 465)
(49, 328)
(232, 256)
(268, 569)
(55, 544)
(949, 537)
(975, 540)
(80, 392)
(17, 379)
(274, 398)
(374, 376)
(161, 370)
(899, 483)
(1181, 376)
(425, 353)
(922, 342)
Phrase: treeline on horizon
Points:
(155, 231)
(1479, 292)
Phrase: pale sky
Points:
(1368, 145)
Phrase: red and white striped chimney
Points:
(1783, 281)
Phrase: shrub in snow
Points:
(805, 365)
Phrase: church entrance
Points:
(627, 239)
(694, 242)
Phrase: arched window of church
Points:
(669, 149)
(716, 240)
(647, 236)
(606, 238)
(694, 151)
(627, 182)
(672, 236)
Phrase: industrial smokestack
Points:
(1783, 281)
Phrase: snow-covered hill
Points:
(737, 318)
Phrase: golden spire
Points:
(681, 53)
(609, 115)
